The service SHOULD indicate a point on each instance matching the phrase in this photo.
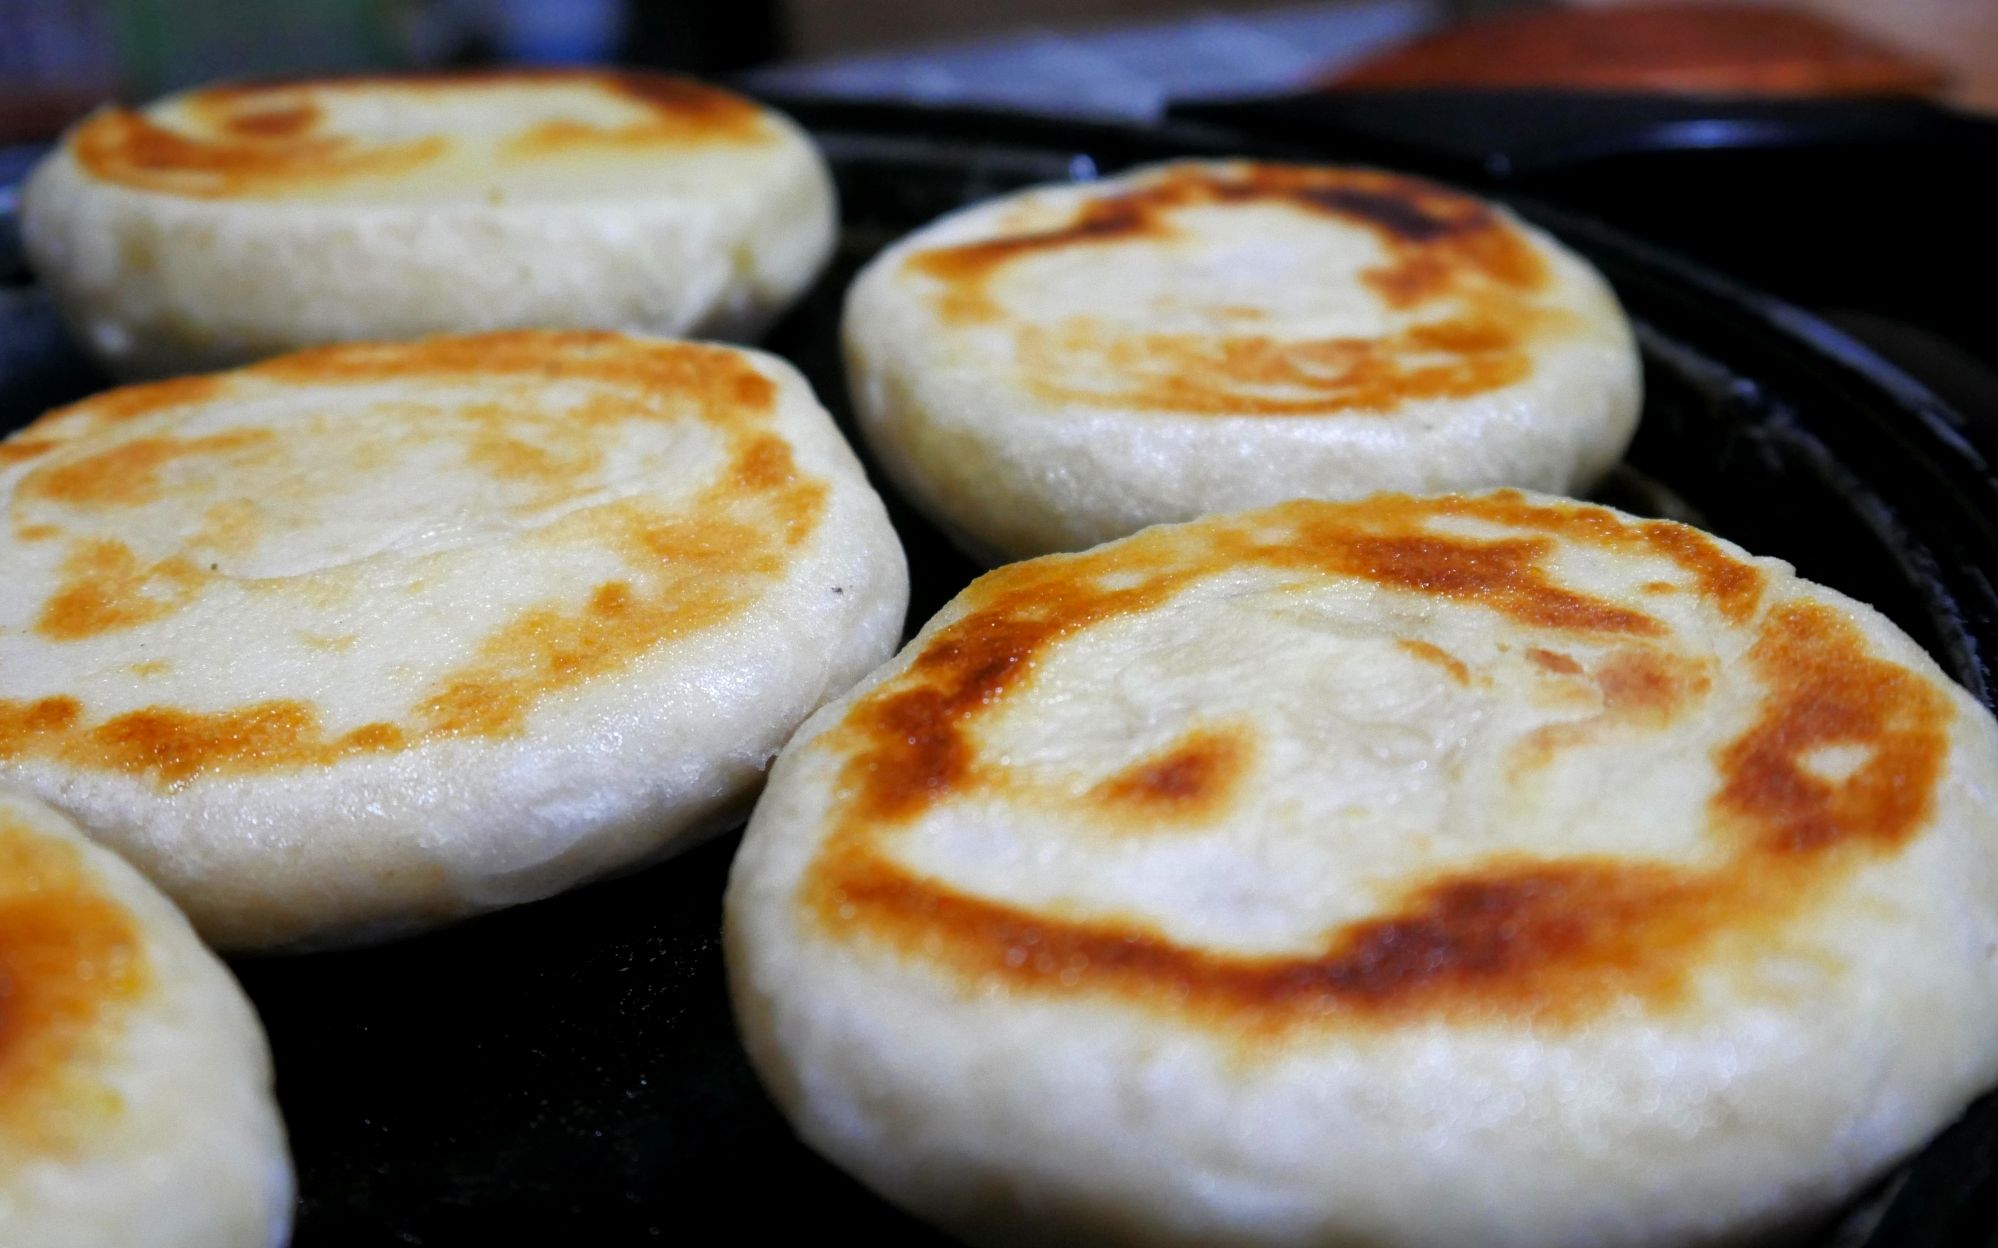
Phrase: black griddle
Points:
(567, 1071)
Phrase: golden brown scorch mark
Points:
(1442, 248)
(104, 585)
(1641, 687)
(1509, 937)
(686, 570)
(270, 139)
(71, 961)
(105, 588)
(127, 474)
(129, 148)
(21, 450)
(1553, 661)
(131, 402)
(1193, 778)
(1429, 652)
(679, 111)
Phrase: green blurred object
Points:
(167, 44)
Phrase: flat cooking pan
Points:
(568, 1071)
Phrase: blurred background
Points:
(1117, 58)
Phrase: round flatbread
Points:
(1070, 364)
(1487, 869)
(368, 637)
(223, 225)
(135, 1086)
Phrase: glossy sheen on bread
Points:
(1486, 869)
(367, 637)
(1071, 363)
(239, 221)
(135, 1087)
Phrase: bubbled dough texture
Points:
(193, 1155)
(380, 556)
(949, 407)
(711, 237)
(1008, 1115)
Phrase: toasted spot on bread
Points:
(106, 589)
(1195, 776)
(128, 473)
(1429, 652)
(1439, 247)
(295, 138)
(21, 450)
(1826, 690)
(72, 962)
(1549, 660)
(131, 402)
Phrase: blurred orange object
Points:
(1700, 48)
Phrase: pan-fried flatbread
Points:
(370, 636)
(1072, 363)
(234, 222)
(1486, 869)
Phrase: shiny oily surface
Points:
(573, 1063)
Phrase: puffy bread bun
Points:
(235, 222)
(1490, 870)
(368, 637)
(1073, 363)
(135, 1087)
